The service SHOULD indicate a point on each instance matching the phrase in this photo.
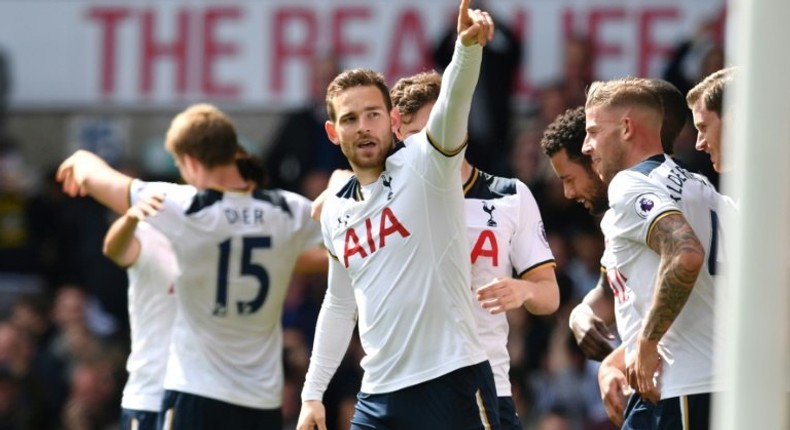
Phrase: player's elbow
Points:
(690, 262)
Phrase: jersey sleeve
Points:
(439, 148)
(638, 203)
(334, 328)
(530, 246)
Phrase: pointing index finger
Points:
(464, 7)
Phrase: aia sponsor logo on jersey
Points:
(380, 227)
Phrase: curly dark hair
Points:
(411, 93)
(567, 132)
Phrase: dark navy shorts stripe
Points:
(183, 411)
(508, 417)
(676, 413)
(133, 419)
(464, 399)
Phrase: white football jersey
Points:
(507, 239)
(639, 197)
(401, 240)
(236, 252)
(401, 257)
(152, 309)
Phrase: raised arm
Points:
(84, 173)
(447, 123)
(682, 257)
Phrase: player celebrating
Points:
(236, 244)
(396, 232)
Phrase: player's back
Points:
(236, 252)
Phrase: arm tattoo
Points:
(682, 256)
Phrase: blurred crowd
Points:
(63, 318)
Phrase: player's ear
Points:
(627, 129)
(395, 121)
(331, 132)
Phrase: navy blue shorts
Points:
(676, 413)
(133, 419)
(508, 418)
(464, 399)
(182, 411)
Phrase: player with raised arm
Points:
(400, 266)
(505, 234)
(152, 269)
(236, 244)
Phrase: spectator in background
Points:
(696, 57)
(22, 402)
(490, 119)
(301, 157)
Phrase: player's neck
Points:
(367, 175)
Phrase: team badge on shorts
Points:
(645, 203)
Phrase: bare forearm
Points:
(119, 240)
(682, 256)
(544, 298)
(543, 293)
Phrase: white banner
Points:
(255, 53)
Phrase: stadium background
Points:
(108, 76)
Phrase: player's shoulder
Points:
(288, 202)
(484, 186)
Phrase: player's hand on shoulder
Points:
(146, 206)
(312, 416)
(474, 25)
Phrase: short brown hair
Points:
(204, 132)
(625, 92)
(411, 93)
(675, 113)
(355, 78)
(711, 90)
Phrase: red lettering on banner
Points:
(213, 48)
(410, 37)
(152, 50)
(305, 50)
(520, 27)
(486, 246)
(340, 21)
(648, 49)
(108, 18)
(597, 19)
